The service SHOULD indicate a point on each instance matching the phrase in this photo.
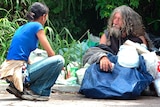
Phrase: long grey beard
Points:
(115, 32)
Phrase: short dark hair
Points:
(36, 10)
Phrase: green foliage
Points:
(7, 29)
(69, 14)
(106, 6)
(150, 12)
(134, 3)
(16, 8)
(70, 17)
(64, 44)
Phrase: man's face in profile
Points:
(117, 24)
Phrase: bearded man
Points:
(123, 24)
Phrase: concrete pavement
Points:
(68, 96)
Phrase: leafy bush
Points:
(106, 6)
(7, 29)
(63, 43)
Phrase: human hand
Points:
(105, 64)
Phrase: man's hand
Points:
(105, 64)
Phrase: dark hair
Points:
(36, 10)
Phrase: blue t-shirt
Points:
(24, 41)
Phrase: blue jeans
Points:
(44, 73)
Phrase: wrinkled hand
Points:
(105, 64)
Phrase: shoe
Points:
(35, 97)
(12, 90)
(30, 95)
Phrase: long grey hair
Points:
(132, 21)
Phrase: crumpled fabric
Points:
(12, 71)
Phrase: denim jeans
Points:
(44, 73)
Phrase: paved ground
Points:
(67, 96)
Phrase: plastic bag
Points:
(157, 80)
(151, 61)
(121, 83)
(128, 56)
(37, 55)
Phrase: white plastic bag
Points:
(157, 86)
(157, 79)
(80, 73)
(37, 55)
(128, 56)
(151, 61)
